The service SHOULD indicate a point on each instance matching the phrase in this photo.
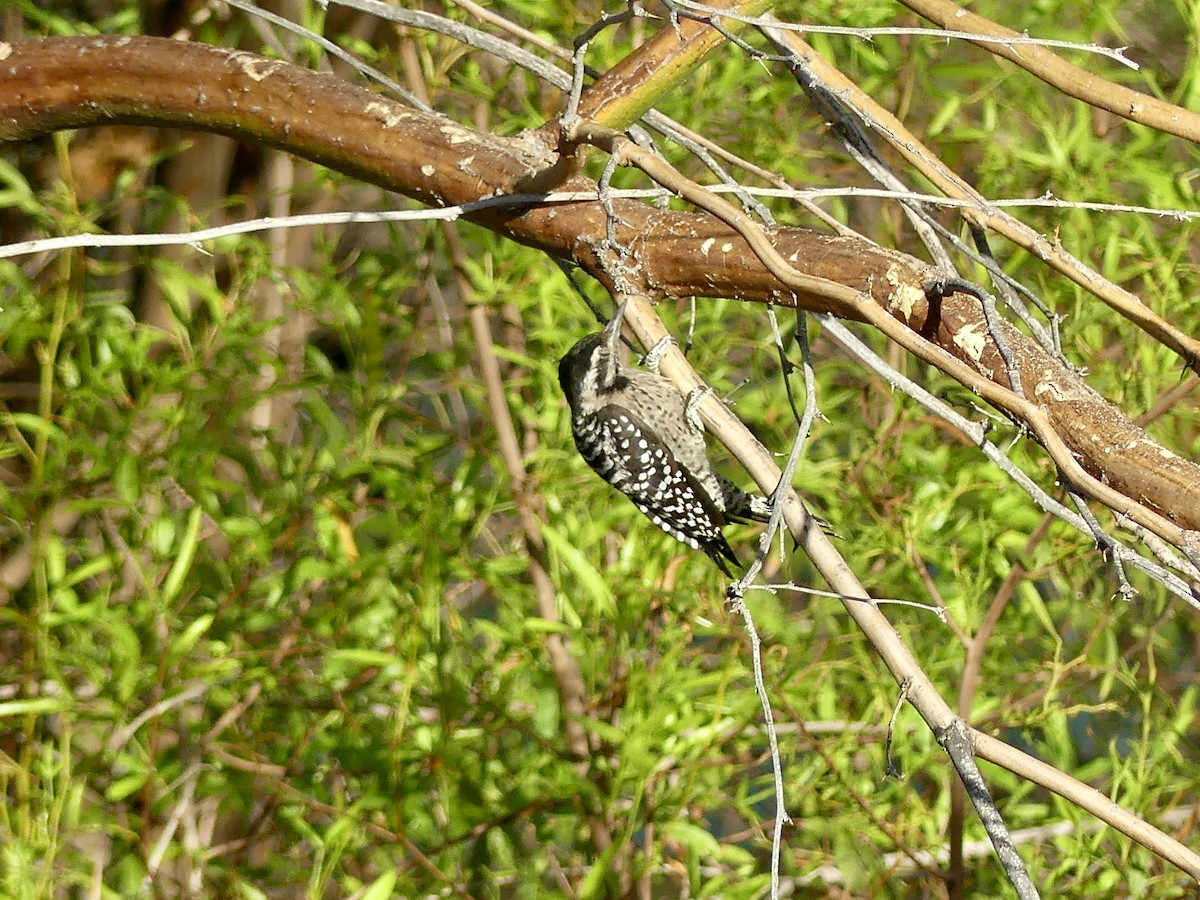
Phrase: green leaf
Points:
(183, 555)
(34, 425)
(381, 888)
(538, 625)
(34, 706)
(186, 641)
(586, 575)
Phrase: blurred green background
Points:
(267, 627)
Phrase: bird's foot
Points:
(655, 354)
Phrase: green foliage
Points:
(308, 659)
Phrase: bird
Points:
(634, 429)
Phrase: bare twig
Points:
(1058, 73)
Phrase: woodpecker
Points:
(634, 429)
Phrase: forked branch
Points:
(73, 82)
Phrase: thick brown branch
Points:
(1105, 442)
(73, 82)
(62, 83)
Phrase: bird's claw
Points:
(655, 354)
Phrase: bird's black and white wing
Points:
(626, 452)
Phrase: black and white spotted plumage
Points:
(630, 425)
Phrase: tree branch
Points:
(74, 82)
